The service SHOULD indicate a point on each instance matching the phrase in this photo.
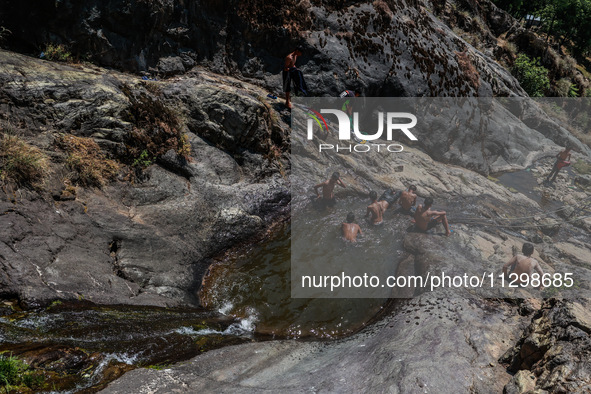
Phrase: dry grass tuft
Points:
(89, 163)
(20, 162)
(467, 67)
(157, 129)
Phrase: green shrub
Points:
(143, 160)
(573, 91)
(532, 76)
(57, 53)
(20, 162)
(565, 88)
(13, 372)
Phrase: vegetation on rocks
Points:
(532, 76)
(90, 165)
(157, 130)
(14, 373)
(565, 88)
(21, 162)
(57, 53)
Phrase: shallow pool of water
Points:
(526, 183)
(257, 285)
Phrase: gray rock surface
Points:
(442, 341)
(147, 241)
(380, 359)
(554, 350)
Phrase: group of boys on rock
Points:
(425, 218)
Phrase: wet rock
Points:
(476, 331)
(368, 360)
(114, 370)
(61, 359)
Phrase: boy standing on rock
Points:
(562, 160)
(292, 74)
(350, 229)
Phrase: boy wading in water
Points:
(376, 209)
(328, 189)
(350, 229)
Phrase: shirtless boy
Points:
(288, 67)
(426, 218)
(408, 199)
(376, 209)
(328, 188)
(350, 229)
(523, 264)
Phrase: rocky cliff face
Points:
(385, 48)
(147, 237)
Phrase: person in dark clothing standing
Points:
(291, 74)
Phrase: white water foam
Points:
(245, 326)
(121, 357)
(190, 331)
(226, 308)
